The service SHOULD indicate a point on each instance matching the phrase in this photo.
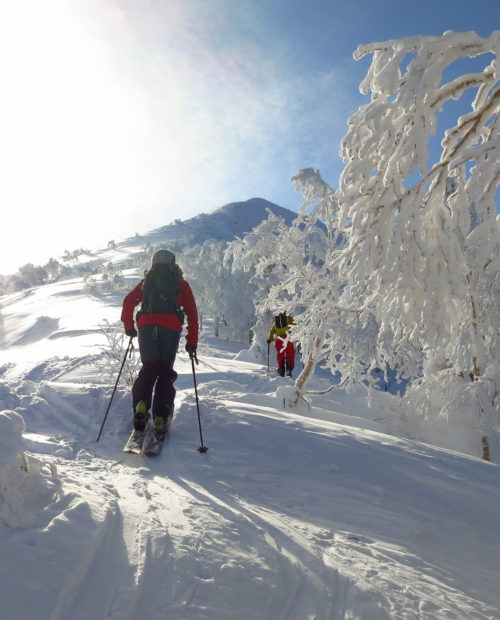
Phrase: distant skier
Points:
(284, 346)
(166, 298)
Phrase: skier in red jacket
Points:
(166, 298)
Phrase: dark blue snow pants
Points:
(155, 381)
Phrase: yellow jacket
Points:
(280, 331)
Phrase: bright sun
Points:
(66, 102)
(68, 116)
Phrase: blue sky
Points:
(122, 115)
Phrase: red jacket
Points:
(185, 301)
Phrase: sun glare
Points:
(65, 103)
(68, 115)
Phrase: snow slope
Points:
(317, 514)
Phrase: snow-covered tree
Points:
(110, 279)
(221, 290)
(424, 243)
(54, 269)
(113, 354)
(30, 275)
(143, 259)
(262, 254)
(237, 302)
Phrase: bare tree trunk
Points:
(486, 448)
(476, 369)
(475, 336)
(308, 371)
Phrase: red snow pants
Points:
(285, 352)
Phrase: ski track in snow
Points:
(287, 517)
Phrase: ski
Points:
(154, 444)
(148, 442)
(135, 442)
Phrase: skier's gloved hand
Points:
(131, 333)
(269, 341)
(191, 349)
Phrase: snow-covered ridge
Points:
(227, 222)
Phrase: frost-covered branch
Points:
(419, 247)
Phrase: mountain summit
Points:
(222, 224)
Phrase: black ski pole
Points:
(268, 345)
(129, 348)
(202, 448)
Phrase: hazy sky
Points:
(118, 116)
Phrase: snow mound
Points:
(25, 486)
(11, 438)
